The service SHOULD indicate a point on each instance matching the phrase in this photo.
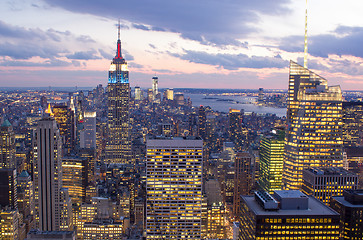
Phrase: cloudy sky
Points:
(201, 44)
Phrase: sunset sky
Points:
(193, 44)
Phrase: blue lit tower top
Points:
(118, 72)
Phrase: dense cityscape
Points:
(133, 163)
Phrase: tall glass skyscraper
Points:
(271, 161)
(118, 147)
(314, 125)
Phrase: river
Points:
(224, 103)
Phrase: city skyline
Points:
(62, 43)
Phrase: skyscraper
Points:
(235, 128)
(243, 179)
(8, 191)
(314, 125)
(88, 134)
(260, 96)
(65, 120)
(155, 82)
(350, 207)
(352, 124)
(7, 145)
(118, 147)
(137, 93)
(271, 162)
(202, 121)
(47, 147)
(174, 188)
(323, 183)
(75, 178)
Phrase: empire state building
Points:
(118, 147)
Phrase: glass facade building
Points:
(314, 125)
(271, 162)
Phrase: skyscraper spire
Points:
(119, 29)
(118, 53)
(306, 37)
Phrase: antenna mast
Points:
(306, 37)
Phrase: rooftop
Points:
(329, 171)
(315, 207)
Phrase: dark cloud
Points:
(343, 41)
(346, 66)
(54, 78)
(214, 40)
(163, 71)
(313, 64)
(141, 27)
(28, 50)
(135, 65)
(47, 63)
(105, 54)
(233, 61)
(84, 38)
(127, 55)
(159, 29)
(148, 28)
(84, 55)
(208, 18)
(110, 54)
(152, 46)
(20, 43)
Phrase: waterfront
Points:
(224, 103)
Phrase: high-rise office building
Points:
(165, 129)
(286, 215)
(314, 125)
(66, 123)
(7, 145)
(89, 154)
(47, 170)
(74, 177)
(168, 94)
(235, 128)
(243, 178)
(150, 96)
(350, 208)
(88, 134)
(261, 96)
(174, 188)
(353, 159)
(103, 229)
(323, 183)
(8, 188)
(43, 102)
(137, 93)
(271, 161)
(155, 81)
(215, 222)
(9, 224)
(25, 191)
(118, 147)
(179, 99)
(352, 124)
(202, 121)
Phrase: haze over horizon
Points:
(204, 44)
